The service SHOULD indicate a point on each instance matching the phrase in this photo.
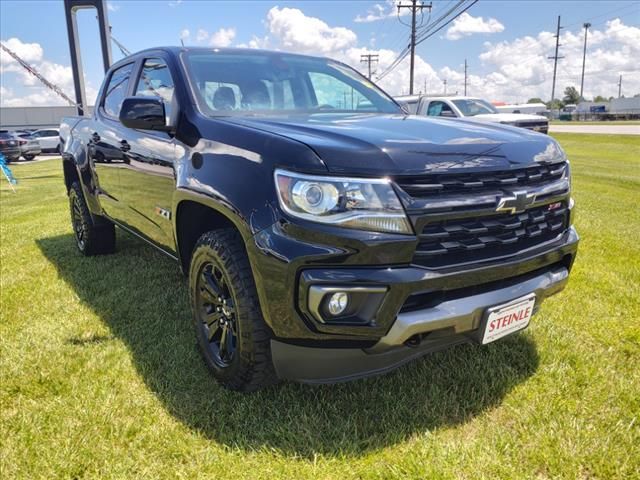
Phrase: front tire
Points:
(29, 157)
(232, 335)
(91, 238)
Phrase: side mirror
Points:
(143, 113)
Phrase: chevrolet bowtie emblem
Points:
(515, 202)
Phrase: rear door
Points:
(108, 154)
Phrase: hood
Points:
(380, 144)
(510, 117)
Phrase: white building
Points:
(16, 118)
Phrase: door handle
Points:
(95, 138)
(124, 146)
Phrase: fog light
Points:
(338, 303)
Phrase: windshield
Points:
(267, 83)
(473, 106)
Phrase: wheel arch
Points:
(195, 214)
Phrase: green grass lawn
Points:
(100, 376)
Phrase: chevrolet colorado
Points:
(326, 235)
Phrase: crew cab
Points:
(472, 108)
(325, 235)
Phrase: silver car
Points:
(31, 148)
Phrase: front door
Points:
(148, 179)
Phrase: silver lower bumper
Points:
(466, 314)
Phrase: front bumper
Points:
(449, 323)
(308, 350)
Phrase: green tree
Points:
(600, 98)
(571, 95)
(554, 104)
(535, 100)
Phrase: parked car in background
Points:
(9, 146)
(473, 108)
(322, 242)
(49, 139)
(29, 146)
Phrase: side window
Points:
(412, 106)
(439, 109)
(117, 90)
(334, 93)
(155, 81)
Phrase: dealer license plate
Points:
(508, 318)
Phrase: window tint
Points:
(239, 84)
(471, 106)
(440, 109)
(155, 81)
(117, 90)
(334, 94)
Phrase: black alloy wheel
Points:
(217, 314)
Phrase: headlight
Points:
(368, 204)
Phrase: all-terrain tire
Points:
(91, 238)
(250, 367)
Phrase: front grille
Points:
(532, 124)
(462, 240)
(442, 184)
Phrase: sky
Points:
(505, 43)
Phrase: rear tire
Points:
(91, 238)
(29, 157)
(232, 334)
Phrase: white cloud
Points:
(381, 11)
(202, 35)
(223, 37)
(175, 3)
(29, 52)
(112, 7)
(14, 76)
(521, 69)
(185, 34)
(466, 25)
(297, 32)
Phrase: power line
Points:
(584, 55)
(465, 77)
(432, 33)
(620, 87)
(426, 33)
(369, 58)
(414, 9)
(555, 61)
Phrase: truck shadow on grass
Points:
(142, 297)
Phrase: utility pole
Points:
(425, 85)
(414, 8)
(584, 55)
(445, 86)
(369, 58)
(620, 87)
(465, 77)
(555, 60)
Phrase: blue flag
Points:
(7, 171)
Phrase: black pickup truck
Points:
(326, 234)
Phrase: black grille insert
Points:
(456, 241)
(442, 184)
